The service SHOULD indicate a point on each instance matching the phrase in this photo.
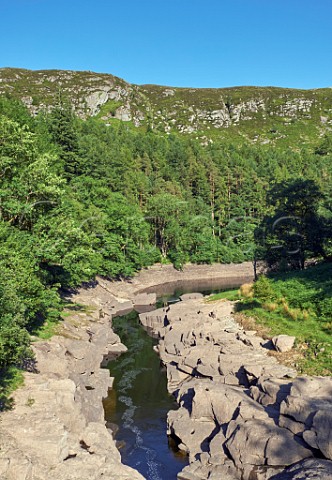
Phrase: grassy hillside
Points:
(298, 303)
(261, 115)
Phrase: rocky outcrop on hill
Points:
(184, 110)
(241, 415)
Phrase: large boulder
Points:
(270, 390)
(283, 343)
(309, 469)
(194, 434)
(308, 410)
(261, 442)
(320, 434)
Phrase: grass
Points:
(231, 295)
(77, 307)
(46, 330)
(109, 109)
(270, 125)
(52, 326)
(297, 304)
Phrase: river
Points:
(139, 401)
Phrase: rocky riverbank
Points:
(242, 414)
(56, 430)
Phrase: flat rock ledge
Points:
(241, 415)
(56, 430)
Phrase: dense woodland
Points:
(79, 198)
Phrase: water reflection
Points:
(139, 403)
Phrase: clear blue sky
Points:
(198, 43)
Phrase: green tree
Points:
(64, 131)
(295, 231)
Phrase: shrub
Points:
(325, 308)
(263, 289)
(246, 290)
(270, 306)
(305, 314)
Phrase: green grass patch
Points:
(78, 307)
(298, 304)
(231, 295)
(46, 330)
(109, 108)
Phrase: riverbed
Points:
(68, 379)
(139, 403)
(139, 400)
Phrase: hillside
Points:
(263, 115)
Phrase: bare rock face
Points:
(255, 440)
(320, 434)
(57, 429)
(198, 471)
(308, 408)
(184, 110)
(144, 302)
(194, 433)
(95, 100)
(310, 469)
(283, 343)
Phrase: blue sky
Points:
(198, 43)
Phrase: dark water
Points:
(139, 403)
(206, 286)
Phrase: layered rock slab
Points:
(240, 412)
(57, 429)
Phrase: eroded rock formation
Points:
(57, 430)
(242, 415)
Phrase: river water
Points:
(139, 403)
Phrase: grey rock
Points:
(197, 471)
(154, 320)
(321, 432)
(144, 302)
(95, 100)
(118, 308)
(309, 469)
(191, 296)
(258, 442)
(96, 439)
(270, 390)
(192, 433)
(283, 343)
